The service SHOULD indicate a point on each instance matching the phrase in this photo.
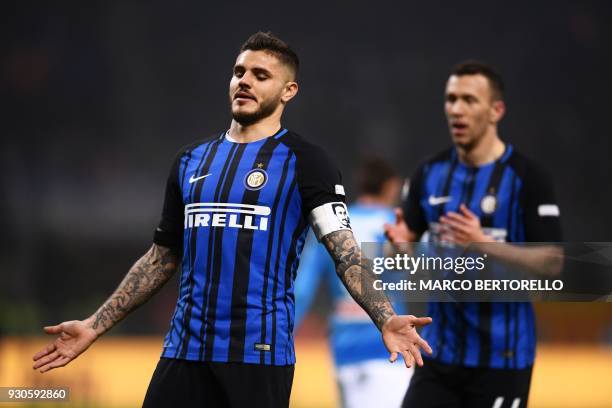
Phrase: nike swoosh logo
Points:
(194, 179)
(439, 200)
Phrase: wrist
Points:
(387, 321)
(90, 324)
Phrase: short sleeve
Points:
(413, 212)
(169, 232)
(542, 216)
(322, 192)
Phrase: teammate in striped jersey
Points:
(481, 190)
(235, 216)
(364, 376)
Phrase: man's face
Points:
(259, 85)
(341, 214)
(470, 108)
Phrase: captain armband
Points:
(328, 218)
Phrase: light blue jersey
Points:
(353, 335)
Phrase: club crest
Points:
(256, 179)
(488, 204)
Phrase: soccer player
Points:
(364, 376)
(480, 190)
(236, 212)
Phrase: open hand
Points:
(74, 338)
(462, 228)
(400, 337)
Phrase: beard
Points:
(265, 109)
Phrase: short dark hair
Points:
(261, 41)
(373, 173)
(473, 67)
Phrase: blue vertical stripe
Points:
(472, 340)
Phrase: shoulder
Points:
(185, 152)
(527, 169)
(301, 146)
(202, 143)
(308, 154)
(443, 156)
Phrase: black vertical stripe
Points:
(441, 341)
(511, 215)
(468, 192)
(203, 166)
(506, 334)
(515, 334)
(447, 185)
(242, 269)
(486, 309)
(211, 292)
(276, 267)
(484, 328)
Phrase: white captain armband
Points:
(328, 218)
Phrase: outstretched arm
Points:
(399, 332)
(142, 281)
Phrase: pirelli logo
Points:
(245, 216)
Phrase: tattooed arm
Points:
(399, 332)
(142, 281)
(356, 275)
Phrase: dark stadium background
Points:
(99, 97)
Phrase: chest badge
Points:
(256, 178)
(488, 204)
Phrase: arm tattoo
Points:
(142, 281)
(356, 274)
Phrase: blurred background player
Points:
(363, 373)
(481, 190)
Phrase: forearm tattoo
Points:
(142, 281)
(355, 272)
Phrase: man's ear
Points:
(289, 91)
(498, 110)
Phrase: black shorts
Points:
(182, 383)
(443, 385)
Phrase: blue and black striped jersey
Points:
(515, 202)
(239, 213)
